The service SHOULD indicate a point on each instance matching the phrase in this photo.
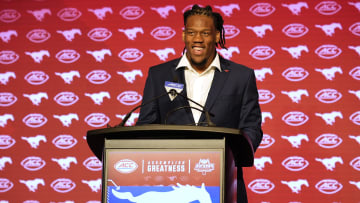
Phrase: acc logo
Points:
(328, 96)
(262, 52)
(328, 51)
(63, 185)
(262, 9)
(328, 140)
(355, 118)
(34, 120)
(7, 99)
(66, 98)
(265, 96)
(295, 74)
(295, 118)
(261, 186)
(36, 77)
(67, 56)
(328, 7)
(355, 163)
(355, 73)
(6, 185)
(98, 77)
(97, 119)
(38, 35)
(295, 163)
(33, 163)
(99, 34)
(355, 29)
(231, 31)
(126, 166)
(129, 98)
(69, 14)
(64, 141)
(163, 33)
(266, 141)
(328, 186)
(93, 164)
(6, 142)
(8, 57)
(131, 12)
(295, 30)
(130, 55)
(9, 15)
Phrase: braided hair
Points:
(207, 11)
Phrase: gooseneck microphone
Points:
(174, 93)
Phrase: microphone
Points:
(174, 93)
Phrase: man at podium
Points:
(211, 84)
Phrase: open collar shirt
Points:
(198, 84)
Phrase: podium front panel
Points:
(163, 171)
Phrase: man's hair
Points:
(207, 11)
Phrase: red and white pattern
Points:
(67, 67)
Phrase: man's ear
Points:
(183, 35)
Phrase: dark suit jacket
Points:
(233, 99)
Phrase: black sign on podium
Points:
(163, 163)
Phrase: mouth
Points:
(197, 50)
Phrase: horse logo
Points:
(295, 141)
(34, 141)
(68, 76)
(32, 185)
(5, 77)
(329, 73)
(179, 194)
(260, 31)
(295, 186)
(295, 52)
(329, 29)
(4, 118)
(164, 11)
(329, 118)
(355, 48)
(6, 36)
(69, 34)
(95, 185)
(64, 163)
(296, 8)
(38, 56)
(227, 53)
(260, 73)
(36, 98)
(330, 163)
(295, 96)
(228, 9)
(356, 138)
(131, 120)
(99, 55)
(3, 161)
(67, 119)
(130, 75)
(101, 12)
(265, 115)
(98, 98)
(163, 53)
(132, 32)
(40, 14)
(355, 4)
(259, 163)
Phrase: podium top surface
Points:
(240, 144)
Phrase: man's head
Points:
(202, 34)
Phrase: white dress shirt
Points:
(198, 84)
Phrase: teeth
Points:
(197, 48)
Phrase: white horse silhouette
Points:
(180, 194)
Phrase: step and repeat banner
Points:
(67, 67)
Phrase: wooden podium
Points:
(169, 163)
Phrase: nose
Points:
(198, 37)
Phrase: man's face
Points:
(200, 37)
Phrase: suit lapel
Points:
(216, 86)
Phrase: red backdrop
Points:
(70, 66)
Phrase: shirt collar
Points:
(184, 62)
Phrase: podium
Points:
(169, 163)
